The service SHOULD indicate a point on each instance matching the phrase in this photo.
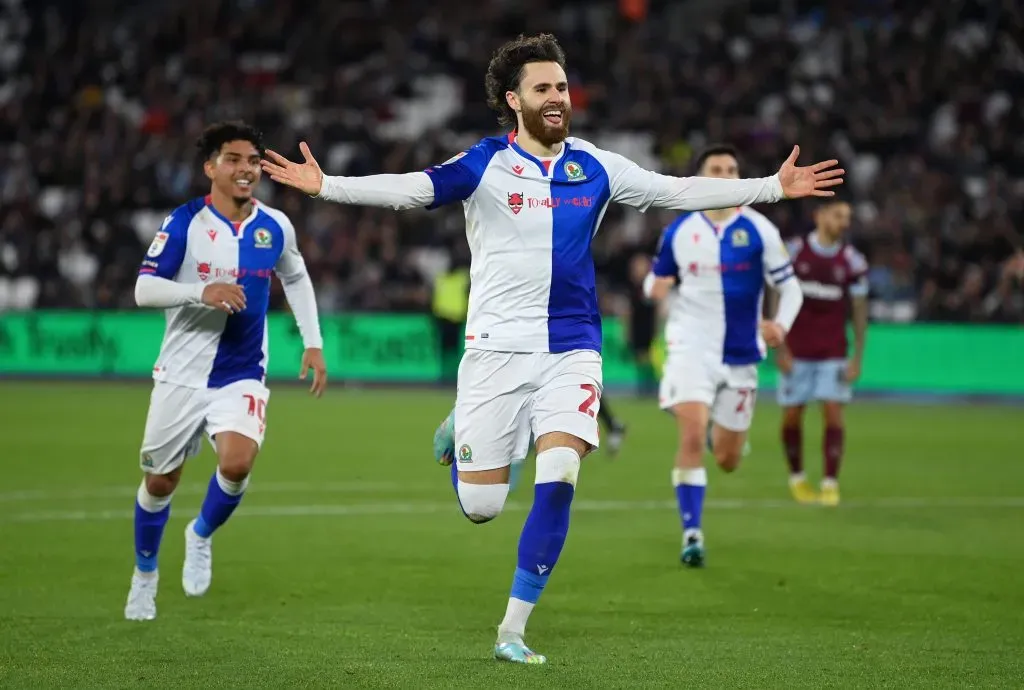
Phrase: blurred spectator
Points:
(100, 101)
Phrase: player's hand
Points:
(852, 372)
(226, 297)
(811, 180)
(313, 358)
(772, 333)
(784, 360)
(306, 176)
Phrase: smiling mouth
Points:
(553, 117)
(244, 183)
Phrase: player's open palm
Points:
(306, 176)
(224, 296)
(313, 358)
(810, 180)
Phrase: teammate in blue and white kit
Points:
(533, 202)
(209, 266)
(720, 261)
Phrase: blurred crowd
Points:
(101, 101)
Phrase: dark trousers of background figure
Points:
(450, 335)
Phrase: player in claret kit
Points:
(814, 362)
(209, 267)
(533, 200)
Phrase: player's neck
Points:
(823, 240)
(229, 208)
(535, 148)
(720, 215)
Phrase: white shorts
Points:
(178, 417)
(814, 380)
(729, 391)
(503, 397)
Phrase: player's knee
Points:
(833, 413)
(792, 416)
(693, 442)
(161, 485)
(482, 502)
(728, 459)
(235, 460)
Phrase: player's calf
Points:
(544, 533)
(152, 510)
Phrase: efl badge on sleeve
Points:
(157, 247)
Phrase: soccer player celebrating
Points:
(719, 260)
(813, 360)
(533, 201)
(209, 267)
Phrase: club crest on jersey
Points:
(157, 247)
(839, 273)
(262, 238)
(515, 202)
(465, 453)
(740, 238)
(574, 171)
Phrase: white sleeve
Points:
(778, 271)
(791, 298)
(640, 188)
(163, 293)
(400, 192)
(298, 289)
(778, 268)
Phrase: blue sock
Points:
(151, 514)
(222, 497)
(542, 539)
(690, 488)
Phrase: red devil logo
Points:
(515, 202)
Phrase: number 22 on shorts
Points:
(587, 406)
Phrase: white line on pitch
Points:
(413, 508)
(130, 490)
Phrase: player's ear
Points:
(512, 98)
(208, 167)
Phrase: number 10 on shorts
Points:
(257, 408)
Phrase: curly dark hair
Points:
(216, 135)
(506, 70)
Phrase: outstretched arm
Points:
(640, 188)
(410, 190)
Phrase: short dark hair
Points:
(505, 71)
(216, 135)
(714, 150)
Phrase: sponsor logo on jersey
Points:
(816, 290)
(515, 202)
(574, 171)
(157, 247)
(204, 271)
(262, 238)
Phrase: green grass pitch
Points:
(349, 564)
